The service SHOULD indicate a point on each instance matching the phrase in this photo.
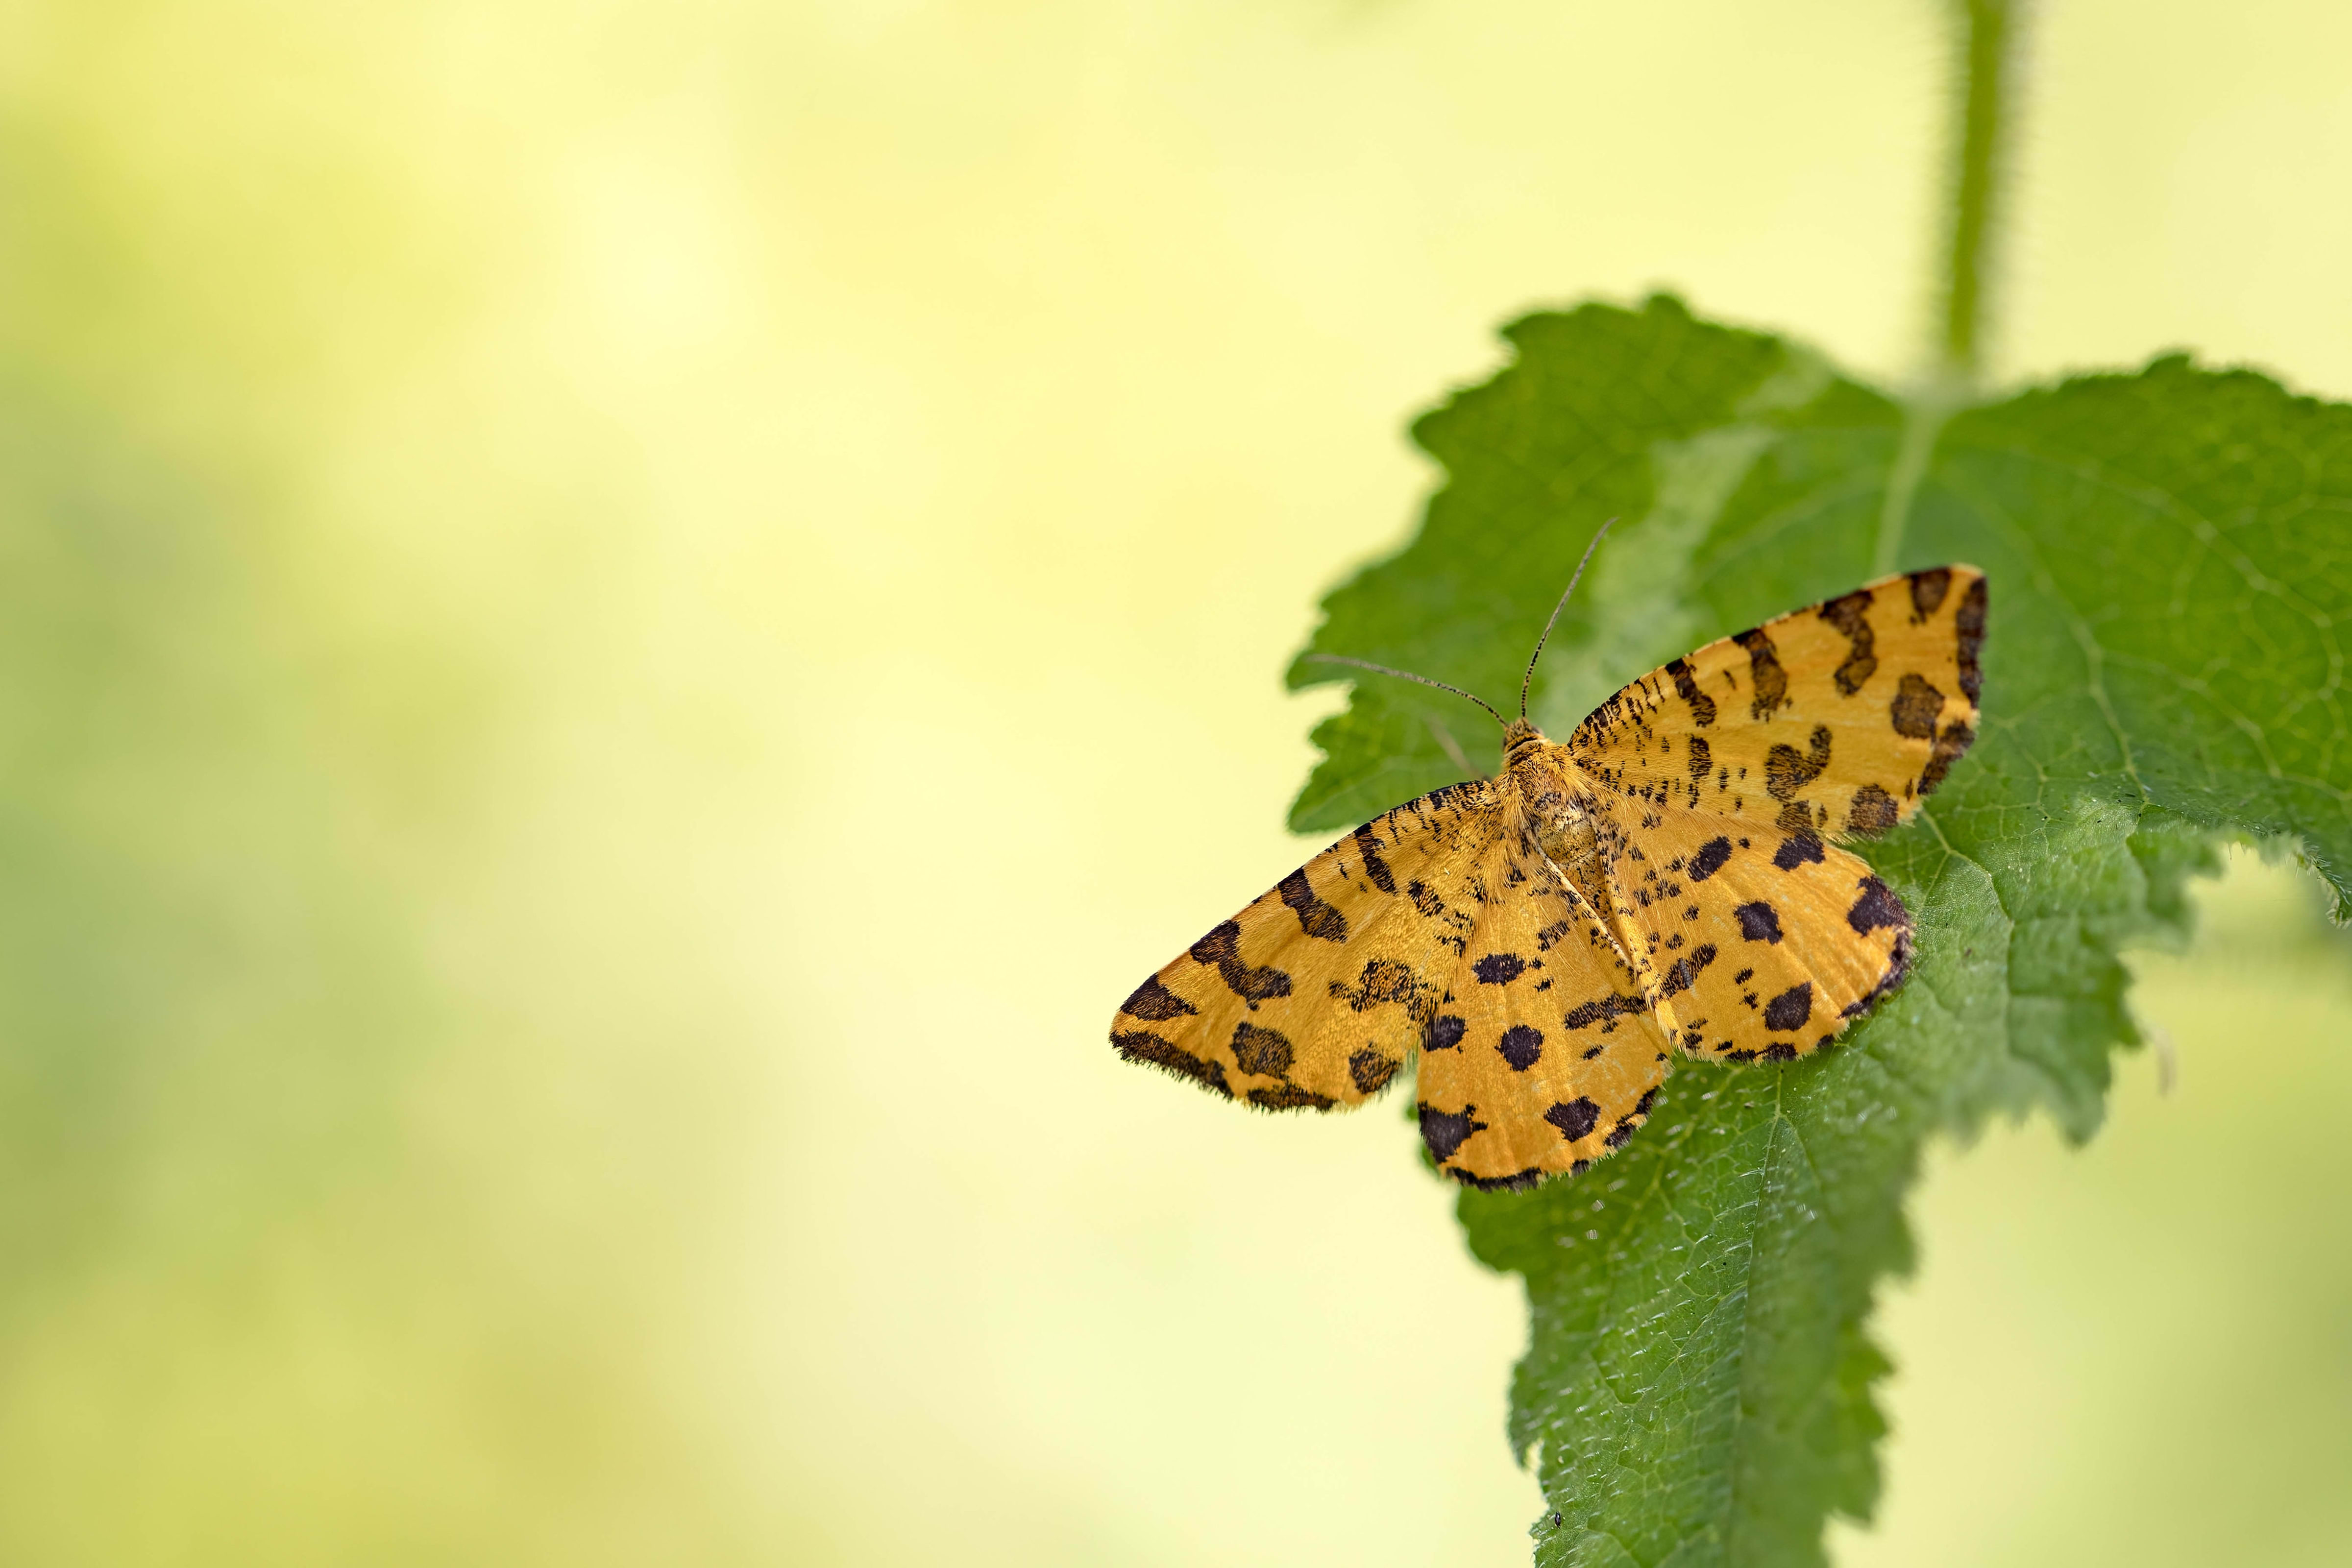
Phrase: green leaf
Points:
(1539, 458)
(2170, 565)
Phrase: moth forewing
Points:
(1314, 995)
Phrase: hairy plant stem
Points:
(1988, 30)
(1986, 58)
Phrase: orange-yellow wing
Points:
(1835, 720)
(1543, 1056)
(1316, 993)
(1763, 942)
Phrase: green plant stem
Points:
(1986, 58)
(1990, 28)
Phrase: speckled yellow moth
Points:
(1668, 878)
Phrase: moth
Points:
(1668, 878)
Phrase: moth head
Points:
(1522, 741)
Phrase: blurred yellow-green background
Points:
(622, 624)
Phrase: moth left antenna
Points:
(1528, 679)
(1404, 675)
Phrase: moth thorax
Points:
(1521, 742)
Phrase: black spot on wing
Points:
(1141, 1045)
(1367, 850)
(1928, 590)
(1443, 1033)
(1515, 1182)
(1798, 817)
(1797, 848)
(1710, 859)
(1916, 708)
(1759, 922)
(1898, 965)
(1155, 1003)
(1499, 968)
(1702, 760)
(1290, 1097)
(1371, 1070)
(1878, 908)
(1764, 673)
(1786, 772)
(1872, 813)
(1970, 622)
(1221, 950)
(1604, 1010)
(1781, 1051)
(1316, 918)
(1521, 1046)
(1447, 1131)
(1851, 616)
(1684, 974)
(1262, 1052)
(1950, 747)
(1575, 1118)
(1790, 1009)
(1384, 982)
(1702, 706)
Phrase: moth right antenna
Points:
(1404, 675)
(1528, 679)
